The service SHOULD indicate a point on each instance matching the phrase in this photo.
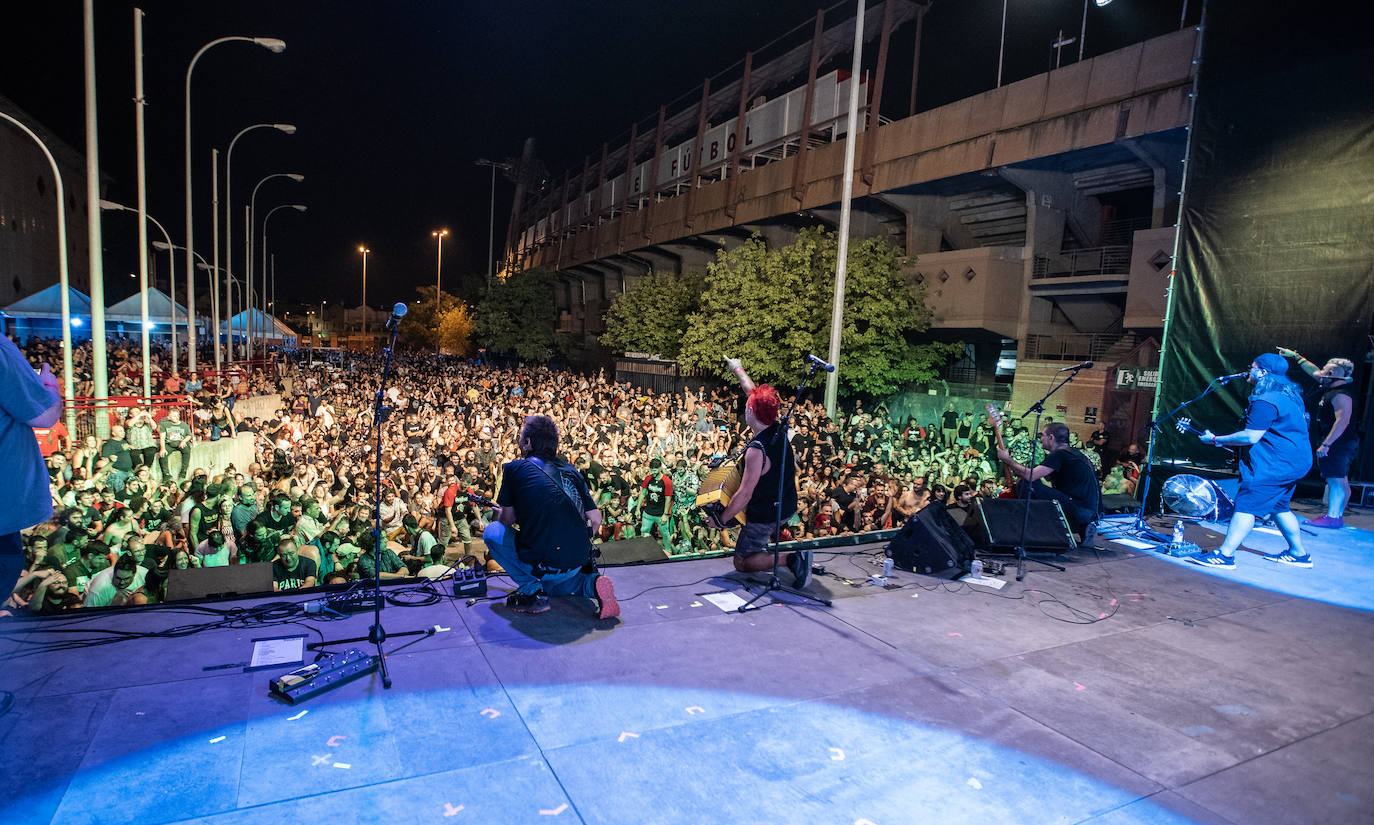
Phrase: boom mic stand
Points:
(1139, 528)
(1038, 408)
(773, 583)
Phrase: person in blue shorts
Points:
(1274, 456)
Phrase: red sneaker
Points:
(1326, 521)
(608, 607)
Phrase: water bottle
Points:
(887, 567)
(977, 571)
(1178, 533)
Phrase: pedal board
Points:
(314, 679)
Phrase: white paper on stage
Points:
(725, 600)
(287, 650)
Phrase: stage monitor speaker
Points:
(932, 543)
(219, 582)
(996, 522)
(640, 550)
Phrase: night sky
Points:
(395, 100)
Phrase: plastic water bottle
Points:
(977, 571)
(887, 567)
(1178, 534)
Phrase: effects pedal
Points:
(469, 582)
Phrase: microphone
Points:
(1086, 365)
(397, 313)
(817, 362)
(1226, 379)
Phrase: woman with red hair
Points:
(767, 460)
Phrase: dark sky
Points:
(395, 100)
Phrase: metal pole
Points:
(1002, 44)
(832, 382)
(271, 44)
(1082, 32)
(61, 270)
(491, 231)
(142, 177)
(99, 364)
(214, 257)
(438, 293)
(248, 325)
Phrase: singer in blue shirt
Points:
(1275, 455)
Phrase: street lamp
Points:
(439, 235)
(491, 231)
(299, 207)
(270, 43)
(111, 206)
(248, 244)
(67, 319)
(286, 128)
(364, 250)
(1083, 31)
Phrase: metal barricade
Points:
(88, 410)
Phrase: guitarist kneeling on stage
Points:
(551, 553)
(757, 497)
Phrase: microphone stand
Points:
(773, 583)
(1038, 408)
(1139, 527)
(377, 634)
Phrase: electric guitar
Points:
(1185, 425)
(999, 420)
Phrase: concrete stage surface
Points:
(1133, 688)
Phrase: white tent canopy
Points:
(130, 310)
(253, 320)
(47, 303)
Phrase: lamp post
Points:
(61, 271)
(1083, 31)
(364, 250)
(286, 128)
(491, 231)
(248, 245)
(299, 207)
(439, 235)
(164, 244)
(111, 206)
(272, 44)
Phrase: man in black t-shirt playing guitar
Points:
(1074, 479)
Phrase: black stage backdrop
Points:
(1276, 243)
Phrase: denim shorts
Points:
(753, 538)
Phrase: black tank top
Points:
(1326, 415)
(762, 503)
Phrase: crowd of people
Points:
(132, 506)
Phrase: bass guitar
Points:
(998, 420)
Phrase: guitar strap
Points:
(592, 549)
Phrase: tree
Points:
(652, 316)
(422, 326)
(769, 307)
(518, 315)
(455, 330)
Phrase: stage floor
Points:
(1131, 688)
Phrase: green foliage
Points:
(769, 307)
(421, 325)
(518, 316)
(652, 316)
